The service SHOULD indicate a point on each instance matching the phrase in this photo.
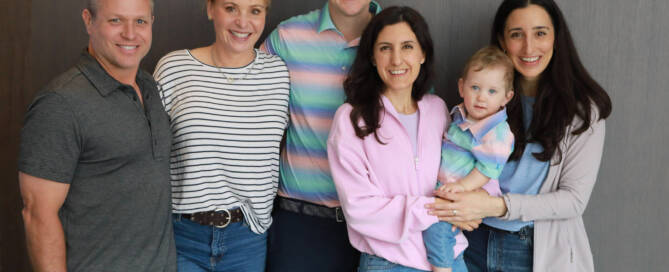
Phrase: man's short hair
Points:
(93, 5)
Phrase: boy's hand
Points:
(453, 187)
(466, 225)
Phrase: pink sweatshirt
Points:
(382, 188)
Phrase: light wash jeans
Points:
(439, 242)
(207, 248)
(370, 262)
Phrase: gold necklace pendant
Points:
(228, 78)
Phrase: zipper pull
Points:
(571, 255)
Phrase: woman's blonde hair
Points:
(267, 2)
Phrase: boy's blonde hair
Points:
(491, 56)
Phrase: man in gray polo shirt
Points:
(94, 156)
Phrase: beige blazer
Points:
(560, 240)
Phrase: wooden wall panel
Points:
(14, 43)
(57, 39)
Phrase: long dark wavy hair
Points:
(565, 90)
(363, 86)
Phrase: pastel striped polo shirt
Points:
(485, 144)
(318, 59)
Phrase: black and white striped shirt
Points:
(225, 151)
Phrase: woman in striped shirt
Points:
(228, 106)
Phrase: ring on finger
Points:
(455, 212)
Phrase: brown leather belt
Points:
(219, 218)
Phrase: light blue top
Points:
(410, 124)
(523, 176)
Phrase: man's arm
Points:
(42, 199)
(273, 43)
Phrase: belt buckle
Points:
(227, 222)
(339, 215)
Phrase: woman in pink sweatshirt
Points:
(384, 144)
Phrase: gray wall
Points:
(624, 45)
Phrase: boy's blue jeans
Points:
(207, 248)
(439, 240)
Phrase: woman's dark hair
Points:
(565, 90)
(363, 86)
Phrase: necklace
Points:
(226, 76)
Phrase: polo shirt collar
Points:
(325, 21)
(101, 80)
(481, 127)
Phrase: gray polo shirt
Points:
(91, 131)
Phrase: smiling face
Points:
(398, 57)
(485, 91)
(529, 39)
(120, 34)
(349, 8)
(238, 23)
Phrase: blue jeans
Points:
(439, 241)
(370, 262)
(207, 248)
(303, 243)
(493, 250)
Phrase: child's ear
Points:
(461, 86)
(508, 96)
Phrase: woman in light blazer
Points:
(558, 122)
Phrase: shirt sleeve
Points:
(50, 139)
(273, 43)
(159, 76)
(493, 152)
(454, 163)
(368, 210)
